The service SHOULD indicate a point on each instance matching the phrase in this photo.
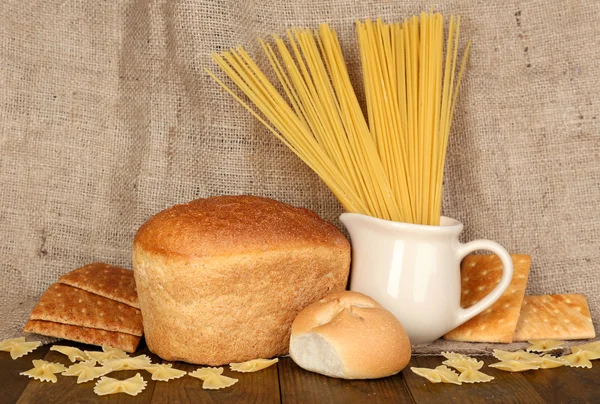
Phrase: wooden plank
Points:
(67, 390)
(505, 388)
(300, 386)
(13, 384)
(566, 384)
(257, 387)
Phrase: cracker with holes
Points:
(69, 305)
(67, 312)
(562, 317)
(112, 282)
(92, 336)
(479, 276)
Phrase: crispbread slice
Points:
(68, 305)
(479, 275)
(93, 336)
(105, 280)
(560, 317)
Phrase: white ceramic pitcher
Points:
(414, 272)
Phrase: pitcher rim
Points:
(447, 224)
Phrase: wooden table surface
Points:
(288, 383)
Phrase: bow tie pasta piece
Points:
(44, 371)
(441, 374)
(448, 375)
(544, 345)
(516, 356)
(139, 362)
(164, 372)
(463, 364)
(453, 355)
(470, 375)
(253, 365)
(430, 374)
(216, 382)
(550, 362)
(18, 347)
(579, 359)
(514, 366)
(74, 354)
(86, 371)
(592, 346)
(106, 354)
(132, 386)
(213, 378)
(204, 373)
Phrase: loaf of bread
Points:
(349, 335)
(221, 279)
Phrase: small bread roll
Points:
(350, 336)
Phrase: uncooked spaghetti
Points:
(388, 164)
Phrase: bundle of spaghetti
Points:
(390, 166)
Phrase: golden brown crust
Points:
(225, 225)
(369, 340)
(479, 276)
(209, 298)
(105, 280)
(92, 336)
(68, 305)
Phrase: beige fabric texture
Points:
(106, 117)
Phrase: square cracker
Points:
(92, 336)
(479, 275)
(68, 305)
(559, 317)
(105, 280)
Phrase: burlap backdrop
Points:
(107, 117)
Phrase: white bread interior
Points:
(349, 335)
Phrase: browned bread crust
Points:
(226, 225)
(220, 280)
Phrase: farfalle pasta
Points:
(74, 354)
(134, 363)
(106, 354)
(86, 371)
(517, 355)
(252, 366)
(213, 378)
(164, 372)
(469, 370)
(44, 371)
(18, 347)
(441, 374)
(514, 366)
(132, 386)
(579, 359)
(550, 362)
(453, 355)
(544, 345)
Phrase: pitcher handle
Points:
(507, 272)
